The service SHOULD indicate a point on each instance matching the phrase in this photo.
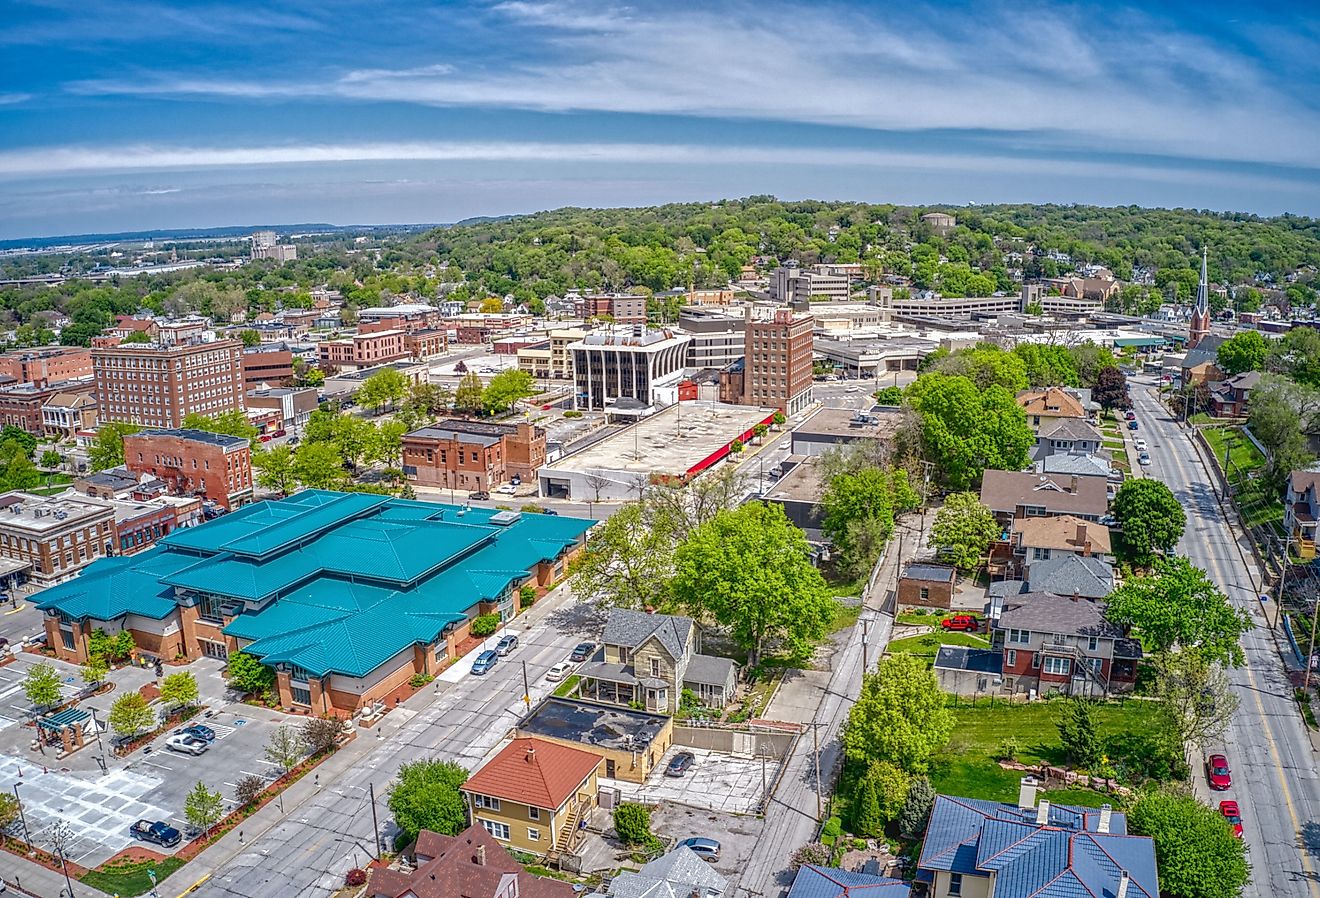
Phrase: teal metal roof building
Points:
(324, 582)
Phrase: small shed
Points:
(925, 585)
(712, 679)
(968, 671)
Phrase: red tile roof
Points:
(534, 772)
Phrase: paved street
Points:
(1274, 770)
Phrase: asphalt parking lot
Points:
(716, 782)
(737, 834)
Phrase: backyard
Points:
(927, 645)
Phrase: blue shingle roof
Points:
(813, 881)
(341, 581)
(1066, 857)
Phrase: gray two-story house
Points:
(647, 660)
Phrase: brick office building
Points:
(471, 455)
(215, 466)
(156, 386)
(46, 364)
(269, 364)
(56, 537)
(777, 361)
(21, 404)
(622, 308)
(363, 350)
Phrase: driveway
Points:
(736, 833)
(717, 782)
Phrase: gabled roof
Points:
(1063, 532)
(1065, 857)
(710, 670)
(534, 772)
(1071, 574)
(1004, 491)
(1053, 401)
(678, 874)
(1044, 612)
(1069, 429)
(813, 881)
(470, 865)
(632, 628)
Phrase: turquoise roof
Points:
(355, 578)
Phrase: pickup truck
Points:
(159, 832)
(961, 622)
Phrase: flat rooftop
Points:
(673, 441)
(587, 723)
(802, 484)
(40, 513)
(880, 423)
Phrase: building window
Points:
(925, 593)
(533, 834)
(300, 695)
(496, 829)
(1093, 643)
(486, 802)
(1010, 658)
(1057, 666)
(955, 883)
(1019, 636)
(533, 813)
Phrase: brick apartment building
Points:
(777, 361)
(21, 404)
(46, 364)
(362, 350)
(55, 537)
(215, 466)
(407, 317)
(624, 309)
(156, 386)
(472, 455)
(270, 364)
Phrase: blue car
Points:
(485, 661)
(199, 731)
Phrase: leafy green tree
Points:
(1281, 413)
(748, 569)
(505, 389)
(468, 398)
(130, 715)
(1090, 359)
(107, 450)
(42, 685)
(250, 337)
(1111, 389)
(234, 423)
(889, 396)
(50, 459)
(1197, 701)
(965, 430)
(1179, 608)
(900, 716)
(1151, 517)
(94, 671)
(385, 387)
(203, 808)
(1197, 854)
(318, 466)
(248, 675)
(1077, 732)
(632, 824)
(627, 561)
(274, 467)
(867, 820)
(1297, 355)
(12, 434)
(426, 796)
(963, 530)
(859, 508)
(778, 419)
(916, 809)
(179, 689)
(882, 792)
(8, 811)
(986, 365)
(1244, 351)
(285, 748)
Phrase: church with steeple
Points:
(1199, 328)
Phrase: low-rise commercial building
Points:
(215, 466)
(830, 428)
(629, 743)
(57, 536)
(64, 414)
(295, 405)
(472, 455)
(21, 405)
(362, 350)
(620, 308)
(791, 286)
(626, 363)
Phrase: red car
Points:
(1217, 773)
(961, 622)
(1234, 817)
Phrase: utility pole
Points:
(866, 644)
(375, 824)
(815, 746)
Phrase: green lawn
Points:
(928, 644)
(1116, 445)
(129, 877)
(1258, 504)
(845, 616)
(1245, 455)
(922, 618)
(566, 688)
(969, 764)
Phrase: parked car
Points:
(1130, 415)
(1132, 425)
(706, 849)
(480, 495)
(1217, 772)
(680, 764)
(506, 644)
(197, 731)
(560, 671)
(485, 661)
(159, 832)
(1109, 521)
(507, 489)
(1234, 817)
(1143, 459)
(549, 511)
(1140, 444)
(964, 622)
(583, 651)
(185, 744)
(265, 438)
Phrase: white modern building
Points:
(626, 364)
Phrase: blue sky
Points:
(121, 116)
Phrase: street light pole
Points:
(27, 835)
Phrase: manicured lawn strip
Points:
(1116, 445)
(922, 618)
(566, 688)
(928, 644)
(130, 877)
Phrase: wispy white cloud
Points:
(13, 99)
(1113, 80)
(55, 161)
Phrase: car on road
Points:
(1234, 816)
(1217, 773)
(582, 651)
(1130, 415)
(506, 644)
(680, 764)
(159, 832)
(197, 731)
(485, 661)
(560, 670)
(965, 622)
(507, 489)
(479, 495)
(1143, 459)
(549, 511)
(1132, 425)
(185, 744)
(706, 849)
(1140, 444)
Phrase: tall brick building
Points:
(21, 404)
(215, 466)
(777, 361)
(46, 364)
(156, 386)
(472, 455)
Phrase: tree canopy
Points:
(900, 715)
(963, 530)
(1244, 351)
(1151, 517)
(505, 389)
(859, 509)
(1197, 854)
(425, 796)
(965, 429)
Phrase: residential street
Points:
(1269, 750)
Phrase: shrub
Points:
(321, 733)
(355, 877)
(916, 810)
(572, 413)
(485, 624)
(418, 680)
(632, 823)
(811, 853)
(1008, 749)
(248, 674)
(527, 596)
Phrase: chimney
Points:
(1043, 812)
(481, 856)
(1106, 813)
(1076, 595)
(1074, 484)
(1081, 538)
(1123, 881)
(1027, 793)
(531, 754)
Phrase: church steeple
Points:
(1200, 323)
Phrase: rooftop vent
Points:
(505, 518)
